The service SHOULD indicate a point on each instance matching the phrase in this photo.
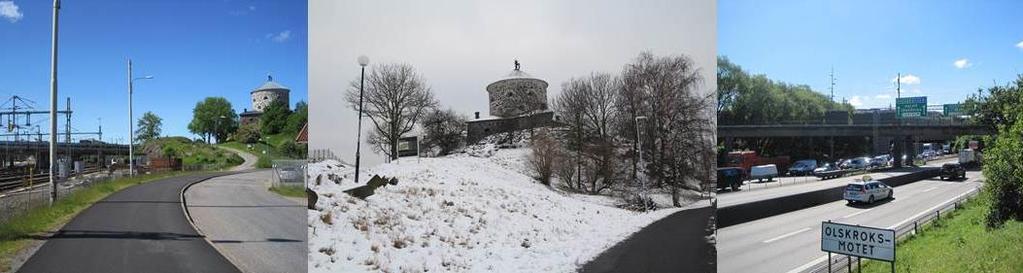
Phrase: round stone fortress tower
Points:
(268, 93)
(516, 94)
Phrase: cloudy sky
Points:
(461, 46)
(945, 50)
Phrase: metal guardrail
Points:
(289, 173)
(903, 230)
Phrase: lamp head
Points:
(363, 60)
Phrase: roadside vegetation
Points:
(18, 232)
(272, 138)
(191, 152)
(960, 243)
(289, 191)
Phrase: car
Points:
(730, 177)
(769, 172)
(802, 167)
(881, 161)
(856, 163)
(828, 171)
(867, 191)
(952, 171)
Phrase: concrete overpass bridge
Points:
(13, 151)
(901, 133)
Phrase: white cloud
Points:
(280, 37)
(10, 11)
(856, 101)
(908, 79)
(1020, 45)
(962, 63)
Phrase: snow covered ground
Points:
(460, 213)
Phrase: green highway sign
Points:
(952, 110)
(911, 107)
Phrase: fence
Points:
(289, 173)
(15, 203)
(903, 230)
(317, 155)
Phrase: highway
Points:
(794, 185)
(790, 242)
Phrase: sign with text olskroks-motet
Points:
(859, 241)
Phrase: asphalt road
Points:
(256, 229)
(677, 243)
(791, 242)
(795, 185)
(139, 229)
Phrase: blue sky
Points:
(869, 42)
(194, 48)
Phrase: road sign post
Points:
(911, 107)
(859, 241)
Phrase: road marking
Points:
(931, 210)
(931, 188)
(806, 266)
(856, 213)
(786, 235)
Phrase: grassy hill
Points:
(192, 153)
(269, 148)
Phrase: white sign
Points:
(859, 241)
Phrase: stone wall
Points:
(478, 129)
(513, 97)
(262, 98)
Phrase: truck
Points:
(969, 158)
(729, 177)
(762, 172)
(747, 159)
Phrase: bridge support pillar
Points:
(910, 150)
(881, 144)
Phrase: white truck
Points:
(769, 172)
(969, 158)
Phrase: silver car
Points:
(867, 191)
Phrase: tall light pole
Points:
(363, 62)
(131, 120)
(53, 104)
(640, 151)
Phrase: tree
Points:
(396, 97)
(247, 134)
(443, 130)
(998, 108)
(148, 127)
(590, 107)
(274, 118)
(1003, 170)
(678, 129)
(545, 153)
(213, 117)
(298, 118)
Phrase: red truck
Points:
(747, 159)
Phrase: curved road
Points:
(142, 228)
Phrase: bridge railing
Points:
(930, 121)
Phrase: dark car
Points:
(730, 177)
(952, 171)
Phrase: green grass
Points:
(193, 153)
(267, 150)
(960, 243)
(289, 191)
(17, 233)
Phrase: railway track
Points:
(10, 180)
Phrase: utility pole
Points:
(832, 83)
(131, 129)
(53, 104)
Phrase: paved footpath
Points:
(142, 228)
(256, 229)
(679, 242)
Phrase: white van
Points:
(769, 172)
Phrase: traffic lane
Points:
(746, 196)
(142, 228)
(781, 186)
(788, 241)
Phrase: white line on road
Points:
(806, 266)
(931, 210)
(931, 188)
(857, 213)
(785, 235)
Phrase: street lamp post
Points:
(131, 120)
(363, 62)
(53, 104)
(640, 151)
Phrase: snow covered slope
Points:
(458, 214)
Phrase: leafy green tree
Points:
(148, 127)
(999, 106)
(274, 118)
(293, 150)
(1003, 170)
(214, 118)
(247, 134)
(298, 118)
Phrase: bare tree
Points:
(443, 130)
(589, 105)
(679, 119)
(545, 154)
(394, 100)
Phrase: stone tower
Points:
(517, 94)
(268, 93)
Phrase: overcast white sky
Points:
(461, 46)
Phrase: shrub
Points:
(545, 153)
(1003, 168)
(247, 134)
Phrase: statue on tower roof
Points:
(516, 64)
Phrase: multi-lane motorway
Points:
(790, 242)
